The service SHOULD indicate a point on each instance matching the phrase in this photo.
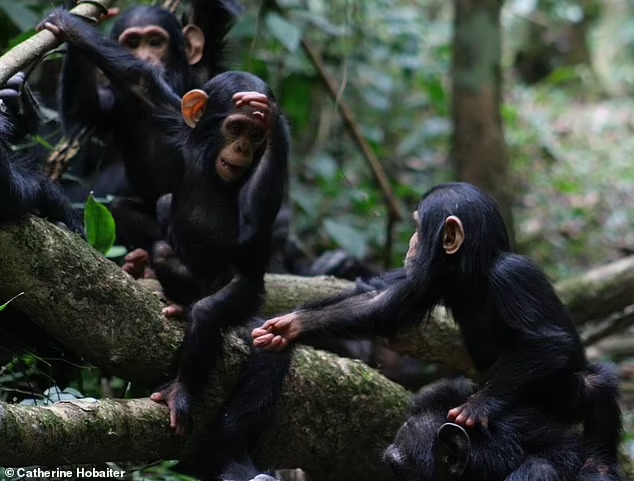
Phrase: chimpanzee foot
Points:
(179, 402)
(136, 262)
(470, 414)
(174, 310)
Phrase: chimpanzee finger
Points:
(263, 341)
(16, 81)
(8, 93)
(241, 95)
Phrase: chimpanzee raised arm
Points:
(24, 187)
(518, 333)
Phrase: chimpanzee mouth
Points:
(231, 168)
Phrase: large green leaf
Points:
(99, 225)
(19, 13)
(347, 237)
(284, 31)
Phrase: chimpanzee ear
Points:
(193, 106)
(453, 236)
(195, 40)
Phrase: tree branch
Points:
(33, 48)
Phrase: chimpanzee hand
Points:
(265, 109)
(276, 334)
(60, 22)
(54, 23)
(475, 411)
(179, 402)
(12, 88)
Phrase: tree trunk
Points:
(479, 149)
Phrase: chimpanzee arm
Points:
(363, 315)
(127, 73)
(263, 194)
(82, 103)
(25, 188)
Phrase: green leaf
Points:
(284, 31)
(99, 225)
(347, 237)
(116, 251)
(19, 14)
(3, 306)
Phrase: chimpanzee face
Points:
(243, 135)
(148, 43)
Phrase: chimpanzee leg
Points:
(601, 414)
(233, 305)
(248, 412)
(137, 227)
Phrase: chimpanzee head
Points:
(154, 35)
(234, 135)
(457, 225)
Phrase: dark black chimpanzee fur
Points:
(518, 333)
(24, 187)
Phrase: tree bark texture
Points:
(479, 149)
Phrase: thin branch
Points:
(33, 48)
(351, 124)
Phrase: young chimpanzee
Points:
(227, 192)
(152, 35)
(519, 335)
(24, 187)
(522, 444)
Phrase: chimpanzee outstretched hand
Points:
(276, 334)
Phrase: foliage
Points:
(4, 306)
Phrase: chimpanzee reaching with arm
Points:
(518, 333)
(234, 142)
(24, 187)
(152, 35)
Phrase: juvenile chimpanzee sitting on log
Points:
(24, 187)
(518, 333)
(133, 142)
(227, 192)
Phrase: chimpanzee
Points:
(24, 187)
(520, 336)
(522, 444)
(153, 35)
(227, 191)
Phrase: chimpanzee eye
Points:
(156, 41)
(257, 135)
(132, 42)
(235, 128)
